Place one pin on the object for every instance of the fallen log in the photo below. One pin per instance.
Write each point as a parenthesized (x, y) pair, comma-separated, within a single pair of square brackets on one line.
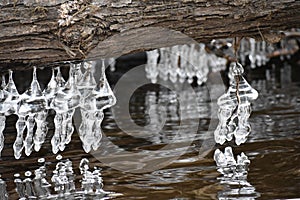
[(35, 32)]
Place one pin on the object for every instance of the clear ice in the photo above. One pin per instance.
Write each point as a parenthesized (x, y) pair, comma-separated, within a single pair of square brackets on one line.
[(2, 114), (30, 104), (64, 103), (234, 175), (91, 180), (36, 186), (182, 62), (100, 98), (229, 166), (235, 108)]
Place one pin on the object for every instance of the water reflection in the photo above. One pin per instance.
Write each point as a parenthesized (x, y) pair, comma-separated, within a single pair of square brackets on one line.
[(273, 148), (36, 186)]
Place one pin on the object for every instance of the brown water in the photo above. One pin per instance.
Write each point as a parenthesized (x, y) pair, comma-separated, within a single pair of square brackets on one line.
[(273, 146)]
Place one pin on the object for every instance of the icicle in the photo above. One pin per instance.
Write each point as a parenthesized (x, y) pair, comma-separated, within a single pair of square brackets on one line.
[(67, 129), (92, 108), (87, 82), (235, 108), (28, 142), (41, 129), (8, 104), (51, 89), (55, 141), (151, 67), (99, 115), (64, 104), (85, 130), (2, 126), (60, 79), (202, 65), (164, 63), (112, 64), (19, 144), (252, 55), (32, 102), (174, 63)]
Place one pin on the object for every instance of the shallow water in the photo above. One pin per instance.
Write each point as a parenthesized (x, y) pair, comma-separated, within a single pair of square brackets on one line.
[(273, 146)]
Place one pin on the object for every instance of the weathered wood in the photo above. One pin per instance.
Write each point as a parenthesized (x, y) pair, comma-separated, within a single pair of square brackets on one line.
[(39, 31)]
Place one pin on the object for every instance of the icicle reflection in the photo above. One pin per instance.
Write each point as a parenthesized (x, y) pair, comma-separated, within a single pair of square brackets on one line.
[(35, 185)]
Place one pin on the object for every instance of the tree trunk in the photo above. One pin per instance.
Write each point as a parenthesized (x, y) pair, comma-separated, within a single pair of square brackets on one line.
[(35, 32)]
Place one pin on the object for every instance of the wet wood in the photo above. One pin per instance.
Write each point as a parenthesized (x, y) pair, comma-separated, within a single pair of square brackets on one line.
[(35, 32)]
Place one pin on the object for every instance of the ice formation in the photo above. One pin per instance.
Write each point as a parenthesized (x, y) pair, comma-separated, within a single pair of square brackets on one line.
[(93, 104), (64, 103), (235, 108), (234, 175), (36, 186), (31, 103), (32, 108), (256, 51), (229, 166), (182, 62)]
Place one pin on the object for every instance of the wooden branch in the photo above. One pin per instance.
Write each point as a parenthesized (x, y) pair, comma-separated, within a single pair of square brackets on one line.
[(35, 32)]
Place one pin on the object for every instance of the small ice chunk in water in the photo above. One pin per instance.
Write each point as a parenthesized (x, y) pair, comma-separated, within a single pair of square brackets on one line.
[(229, 166), (63, 177), (91, 180)]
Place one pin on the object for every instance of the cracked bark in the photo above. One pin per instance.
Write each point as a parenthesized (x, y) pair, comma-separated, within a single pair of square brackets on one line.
[(30, 32)]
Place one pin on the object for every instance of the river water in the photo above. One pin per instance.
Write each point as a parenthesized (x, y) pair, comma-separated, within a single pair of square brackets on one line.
[(175, 170)]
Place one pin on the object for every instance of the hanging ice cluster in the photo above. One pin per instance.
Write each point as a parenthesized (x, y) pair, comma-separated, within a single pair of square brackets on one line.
[(95, 99), (31, 107), (182, 62), (235, 108), (256, 51), (36, 186)]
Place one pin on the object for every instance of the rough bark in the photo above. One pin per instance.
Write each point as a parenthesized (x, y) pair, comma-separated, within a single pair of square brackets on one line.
[(34, 32)]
